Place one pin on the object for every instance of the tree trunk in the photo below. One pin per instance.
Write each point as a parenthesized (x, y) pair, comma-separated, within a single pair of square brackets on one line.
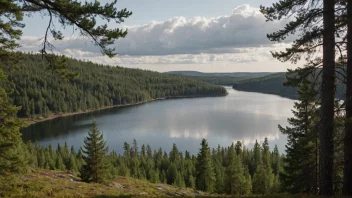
[(347, 172), (327, 100), (316, 162)]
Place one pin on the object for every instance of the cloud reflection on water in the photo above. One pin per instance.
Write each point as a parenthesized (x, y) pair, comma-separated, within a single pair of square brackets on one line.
[(241, 116)]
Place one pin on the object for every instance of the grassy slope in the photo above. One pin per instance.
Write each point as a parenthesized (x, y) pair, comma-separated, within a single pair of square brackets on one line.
[(59, 184), (46, 183)]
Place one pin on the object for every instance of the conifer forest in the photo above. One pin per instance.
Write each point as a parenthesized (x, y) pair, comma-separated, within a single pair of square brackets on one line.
[(125, 64)]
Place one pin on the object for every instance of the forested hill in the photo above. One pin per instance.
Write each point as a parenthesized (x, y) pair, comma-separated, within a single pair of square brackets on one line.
[(273, 84), (219, 78), (270, 84), (41, 93)]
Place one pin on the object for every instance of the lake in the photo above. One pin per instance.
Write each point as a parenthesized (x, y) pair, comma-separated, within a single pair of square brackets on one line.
[(240, 116)]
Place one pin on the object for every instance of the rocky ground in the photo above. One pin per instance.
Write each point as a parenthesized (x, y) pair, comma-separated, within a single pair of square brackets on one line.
[(46, 183)]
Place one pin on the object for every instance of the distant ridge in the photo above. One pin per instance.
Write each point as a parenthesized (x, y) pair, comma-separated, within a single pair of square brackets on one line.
[(228, 78), (261, 82), (233, 74), (273, 84)]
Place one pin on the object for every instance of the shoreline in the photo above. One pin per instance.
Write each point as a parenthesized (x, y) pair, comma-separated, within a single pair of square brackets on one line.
[(32, 121)]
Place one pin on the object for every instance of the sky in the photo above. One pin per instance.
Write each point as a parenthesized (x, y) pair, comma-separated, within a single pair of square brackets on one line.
[(166, 35)]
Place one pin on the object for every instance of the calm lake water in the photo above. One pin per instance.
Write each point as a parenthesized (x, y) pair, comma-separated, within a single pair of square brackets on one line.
[(240, 116)]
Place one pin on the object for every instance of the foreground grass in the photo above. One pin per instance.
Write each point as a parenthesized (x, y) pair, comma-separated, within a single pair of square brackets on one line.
[(62, 184), (46, 183)]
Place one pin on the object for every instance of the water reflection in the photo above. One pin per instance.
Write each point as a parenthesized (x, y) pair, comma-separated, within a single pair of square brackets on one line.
[(222, 120)]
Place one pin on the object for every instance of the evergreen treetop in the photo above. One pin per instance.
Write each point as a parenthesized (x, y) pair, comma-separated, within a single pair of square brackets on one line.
[(94, 152)]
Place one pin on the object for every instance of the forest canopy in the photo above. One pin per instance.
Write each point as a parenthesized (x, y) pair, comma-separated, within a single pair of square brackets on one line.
[(39, 92)]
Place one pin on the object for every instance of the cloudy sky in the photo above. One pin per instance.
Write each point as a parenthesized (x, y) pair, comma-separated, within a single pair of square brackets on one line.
[(166, 35)]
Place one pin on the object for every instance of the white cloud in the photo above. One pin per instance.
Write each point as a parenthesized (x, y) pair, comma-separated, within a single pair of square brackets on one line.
[(236, 38), (245, 27)]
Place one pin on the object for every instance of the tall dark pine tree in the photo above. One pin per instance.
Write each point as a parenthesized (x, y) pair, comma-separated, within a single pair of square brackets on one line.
[(205, 179), (299, 175), (347, 183), (312, 34), (327, 100), (94, 152)]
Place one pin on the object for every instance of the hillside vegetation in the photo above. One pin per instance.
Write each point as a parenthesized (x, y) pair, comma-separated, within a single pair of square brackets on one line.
[(39, 92), (219, 78), (270, 84), (274, 84)]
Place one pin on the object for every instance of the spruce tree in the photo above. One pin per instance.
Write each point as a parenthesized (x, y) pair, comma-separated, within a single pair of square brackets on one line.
[(143, 151), (174, 154), (205, 179), (59, 163), (72, 165), (238, 148), (11, 160), (259, 180), (269, 175), (41, 158), (134, 149), (247, 187), (149, 152), (256, 155), (94, 152), (300, 164), (235, 177), (276, 163)]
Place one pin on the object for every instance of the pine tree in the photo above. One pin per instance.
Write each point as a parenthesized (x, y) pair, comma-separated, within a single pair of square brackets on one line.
[(94, 151), (65, 155), (49, 161), (312, 35), (11, 160), (126, 148), (238, 148), (247, 186), (205, 179), (134, 148), (143, 151), (276, 164), (72, 165), (59, 163), (32, 161), (327, 100), (269, 175), (347, 183), (149, 152), (301, 150), (259, 184), (235, 178), (257, 158), (171, 174), (41, 158), (174, 154)]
